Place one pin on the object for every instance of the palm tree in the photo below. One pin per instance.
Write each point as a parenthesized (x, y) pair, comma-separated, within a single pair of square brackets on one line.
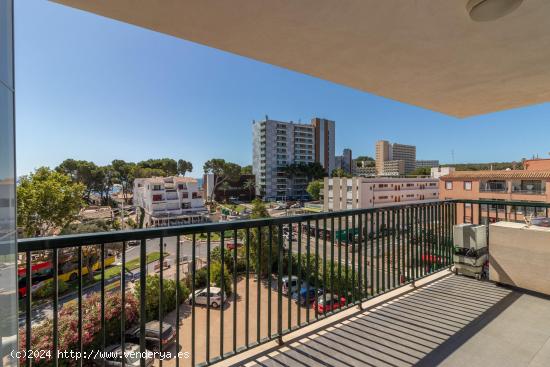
[(249, 185), (225, 186)]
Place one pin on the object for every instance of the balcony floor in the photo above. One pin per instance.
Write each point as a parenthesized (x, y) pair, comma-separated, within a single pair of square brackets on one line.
[(453, 321)]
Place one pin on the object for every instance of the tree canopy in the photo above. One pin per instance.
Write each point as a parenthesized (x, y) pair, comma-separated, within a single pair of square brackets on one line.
[(47, 200), (338, 172), (223, 171), (314, 189)]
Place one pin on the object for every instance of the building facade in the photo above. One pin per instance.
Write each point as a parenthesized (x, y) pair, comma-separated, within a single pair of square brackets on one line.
[(345, 161), (278, 144), (427, 163), (510, 185), (325, 142), (169, 201), (364, 193), (363, 169), (387, 152), (441, 171)]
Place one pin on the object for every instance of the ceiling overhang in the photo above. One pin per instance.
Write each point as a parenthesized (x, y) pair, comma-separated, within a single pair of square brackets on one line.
[(427, 53)]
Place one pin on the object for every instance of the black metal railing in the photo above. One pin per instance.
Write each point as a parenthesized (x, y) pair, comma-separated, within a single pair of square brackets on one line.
[(209, 291)]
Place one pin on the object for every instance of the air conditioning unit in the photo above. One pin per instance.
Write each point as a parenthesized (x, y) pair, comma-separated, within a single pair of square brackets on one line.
[(470, 236)]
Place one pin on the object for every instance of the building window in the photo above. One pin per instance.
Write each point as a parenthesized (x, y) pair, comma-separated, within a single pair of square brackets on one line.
[(157, 197), (449, 185), (185, 195), (468, 185), (180, 187), (350, 188), (156, 187)]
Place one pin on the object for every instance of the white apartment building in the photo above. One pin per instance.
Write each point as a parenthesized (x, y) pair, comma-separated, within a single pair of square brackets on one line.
[(442, 171), (169, 201), (363, 169), (278, 144), (364, 193)]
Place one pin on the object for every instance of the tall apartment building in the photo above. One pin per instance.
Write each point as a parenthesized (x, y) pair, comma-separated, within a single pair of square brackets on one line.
[(277, 144), (169, 201), (325, 140), (386, 151), (344, 161), (364, 193)]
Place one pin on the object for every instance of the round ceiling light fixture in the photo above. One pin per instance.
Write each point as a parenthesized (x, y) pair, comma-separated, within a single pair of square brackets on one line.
[(487, 10)]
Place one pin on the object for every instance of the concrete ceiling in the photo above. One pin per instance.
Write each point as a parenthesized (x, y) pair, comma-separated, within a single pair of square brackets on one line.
[(427, 53)]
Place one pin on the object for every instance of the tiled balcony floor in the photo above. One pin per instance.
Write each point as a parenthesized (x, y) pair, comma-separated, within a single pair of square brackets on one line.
[(454, 321)]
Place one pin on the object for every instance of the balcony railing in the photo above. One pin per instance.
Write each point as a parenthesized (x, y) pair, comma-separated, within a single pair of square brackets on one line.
[(328, 262), (540, 191), (501, 190)]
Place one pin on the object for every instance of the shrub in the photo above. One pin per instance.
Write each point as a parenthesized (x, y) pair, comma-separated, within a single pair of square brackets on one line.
[(46, 291), (67, 332), (216, 278), (152, 295)]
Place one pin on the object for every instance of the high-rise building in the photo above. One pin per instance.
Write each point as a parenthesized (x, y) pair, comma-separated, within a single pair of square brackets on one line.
[(345, 161), (386, 151), (325, 135), (278, 144)]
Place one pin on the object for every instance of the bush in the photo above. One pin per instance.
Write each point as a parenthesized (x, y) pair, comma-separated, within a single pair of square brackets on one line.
[(67, 332), (152, 295), (46, 291), (216, 278)]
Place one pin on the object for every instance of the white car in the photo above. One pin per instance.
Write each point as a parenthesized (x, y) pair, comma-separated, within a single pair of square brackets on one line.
[(201, 297), (290, 285)]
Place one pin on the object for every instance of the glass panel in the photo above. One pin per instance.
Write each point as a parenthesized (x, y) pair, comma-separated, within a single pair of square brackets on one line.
[(8, 294), (8, 257), (6, 42)]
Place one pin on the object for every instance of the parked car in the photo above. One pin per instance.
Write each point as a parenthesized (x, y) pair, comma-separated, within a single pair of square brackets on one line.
[(232, 245), (114, 355), (296, 206), (153, 339), (280, 207), (201, 297), (305, 295), (290, 285), (333, 302)]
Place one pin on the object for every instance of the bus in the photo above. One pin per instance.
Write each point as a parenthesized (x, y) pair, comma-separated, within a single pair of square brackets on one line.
[(43, 270)]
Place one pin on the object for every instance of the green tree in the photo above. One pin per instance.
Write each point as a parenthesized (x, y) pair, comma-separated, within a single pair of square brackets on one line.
[(250, 185), (152, 295), (216, 277), (87, 173), (47, 200), (259, 242), (223, 171), (363, 158), (124, 175), (184, 167), (224, 187), (169, 166), (246, 170), (422, 171), (314, 189), (338, 172)]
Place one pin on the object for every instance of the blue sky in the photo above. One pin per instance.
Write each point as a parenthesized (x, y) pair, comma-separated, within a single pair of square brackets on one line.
[(92, 88)]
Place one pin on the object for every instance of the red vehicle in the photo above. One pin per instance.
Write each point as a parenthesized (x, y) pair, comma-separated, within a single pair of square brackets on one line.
[(232, 245), (333, 302), (40, 272)]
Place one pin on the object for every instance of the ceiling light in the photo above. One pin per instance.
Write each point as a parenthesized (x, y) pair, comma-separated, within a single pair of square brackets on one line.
[(487, 10)]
